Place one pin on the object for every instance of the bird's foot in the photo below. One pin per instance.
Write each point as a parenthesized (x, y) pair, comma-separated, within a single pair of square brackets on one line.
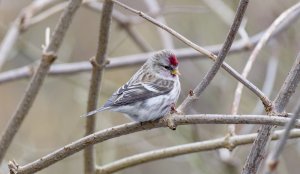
[(174, 111)]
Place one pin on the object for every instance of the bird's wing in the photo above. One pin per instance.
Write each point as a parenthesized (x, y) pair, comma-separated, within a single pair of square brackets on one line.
[(131, 93)]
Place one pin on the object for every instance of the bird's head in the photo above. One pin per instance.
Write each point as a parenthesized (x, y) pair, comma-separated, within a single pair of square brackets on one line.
[(165, 63)]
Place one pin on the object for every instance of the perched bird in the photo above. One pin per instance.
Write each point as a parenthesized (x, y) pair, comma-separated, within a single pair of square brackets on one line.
[(151, 92)]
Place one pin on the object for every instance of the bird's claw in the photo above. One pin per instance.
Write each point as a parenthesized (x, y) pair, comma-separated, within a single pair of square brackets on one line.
[(174, 111)]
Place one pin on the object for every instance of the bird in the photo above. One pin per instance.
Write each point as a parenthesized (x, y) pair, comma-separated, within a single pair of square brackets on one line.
[(151, 92)]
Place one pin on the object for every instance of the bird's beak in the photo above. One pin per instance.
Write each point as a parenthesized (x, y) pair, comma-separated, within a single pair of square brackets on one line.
[(175, 72)]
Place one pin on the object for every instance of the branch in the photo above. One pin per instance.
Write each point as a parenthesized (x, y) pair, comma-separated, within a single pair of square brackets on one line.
[(48, 57), (129, 128), (212, 56), (269, 81), (221, 57), (224, 12), (273, 159), (226, 142), (287, 16), (183, 54), (166, 38), (284, 97), (97, 62), (170, 30), (124, 22), (257, 152), (20, 25)]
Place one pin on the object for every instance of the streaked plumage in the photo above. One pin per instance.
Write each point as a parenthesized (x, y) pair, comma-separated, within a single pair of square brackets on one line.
[(151, 92)]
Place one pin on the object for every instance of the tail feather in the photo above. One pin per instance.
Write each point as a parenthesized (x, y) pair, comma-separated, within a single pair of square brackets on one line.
[(95, 111)]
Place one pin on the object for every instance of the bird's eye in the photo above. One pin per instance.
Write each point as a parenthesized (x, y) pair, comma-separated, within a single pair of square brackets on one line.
[(168, 67)]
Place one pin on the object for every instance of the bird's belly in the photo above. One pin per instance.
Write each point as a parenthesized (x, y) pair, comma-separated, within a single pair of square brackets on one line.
[(152, 108), (147, 110)]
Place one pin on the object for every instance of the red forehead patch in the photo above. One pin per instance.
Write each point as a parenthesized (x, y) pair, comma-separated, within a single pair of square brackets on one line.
[(173, 60)]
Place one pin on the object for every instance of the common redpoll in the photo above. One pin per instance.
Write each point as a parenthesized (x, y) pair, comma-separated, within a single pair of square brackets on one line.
[(152, 91)]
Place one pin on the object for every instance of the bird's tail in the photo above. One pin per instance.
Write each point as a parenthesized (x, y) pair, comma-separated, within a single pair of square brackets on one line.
[(95, 111)]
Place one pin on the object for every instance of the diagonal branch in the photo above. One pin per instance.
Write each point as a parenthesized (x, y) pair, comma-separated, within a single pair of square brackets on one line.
[(129, 128), (231, 71), (226, 142), (285, 17), (98, 65), (257, 152), (221, 57), (273, 158), (48, 57), (165, 38), (223, 11), (126, 23), (20, 25)]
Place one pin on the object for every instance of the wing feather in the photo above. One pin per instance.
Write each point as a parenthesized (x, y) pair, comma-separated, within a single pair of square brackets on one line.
[(134, 92)]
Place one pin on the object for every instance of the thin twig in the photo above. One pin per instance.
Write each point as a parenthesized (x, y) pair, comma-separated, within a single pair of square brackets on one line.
[(257, 152), (47, 13), (97, 62), (226, 142), (268, 85), (166, 38), (212, 56), (125, 23), (184, 53), (129, 128), (221, 57), (284, 17), (116, 62), (273, 158), (48, 57), (220, 8), (19, 25)]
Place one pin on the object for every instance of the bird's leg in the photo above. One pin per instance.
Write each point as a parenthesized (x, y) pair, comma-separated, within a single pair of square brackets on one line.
[(174, 111), (169, 118)]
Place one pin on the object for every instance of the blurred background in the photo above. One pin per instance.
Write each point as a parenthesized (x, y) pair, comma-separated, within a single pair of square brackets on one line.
[(54, 120)]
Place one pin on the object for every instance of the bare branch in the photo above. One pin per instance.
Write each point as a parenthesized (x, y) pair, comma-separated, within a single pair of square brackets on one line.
[(230, 70), (18, 26), (226, 14), (129, 128), (130, 60), (124, 22), (273, 158), (254, 159), (226, 142), (166, 38), (47, 13), (184, 53), (221, 57), (97, 62), (289, 14), (267, 88), (48, 57), (170, 30)]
